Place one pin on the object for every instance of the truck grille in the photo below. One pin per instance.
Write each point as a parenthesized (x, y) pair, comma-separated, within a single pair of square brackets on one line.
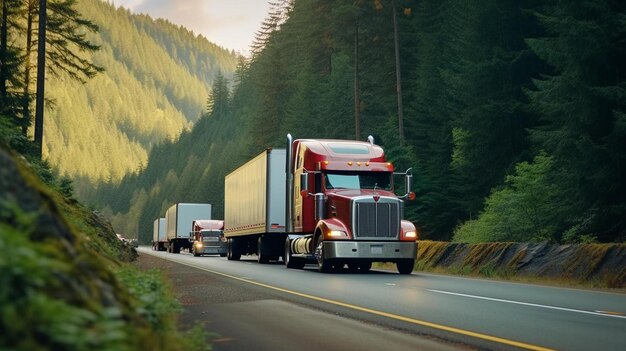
[(376, 220)]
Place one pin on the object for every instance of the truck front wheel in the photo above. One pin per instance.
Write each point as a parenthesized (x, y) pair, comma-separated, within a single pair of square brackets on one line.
[(405, 266), (323, 265)]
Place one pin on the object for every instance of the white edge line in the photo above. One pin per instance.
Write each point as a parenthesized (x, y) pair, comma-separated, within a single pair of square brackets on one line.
[(528, 304)]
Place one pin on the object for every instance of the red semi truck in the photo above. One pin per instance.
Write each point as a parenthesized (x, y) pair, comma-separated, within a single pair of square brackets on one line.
[(329, 202), (208, 237)]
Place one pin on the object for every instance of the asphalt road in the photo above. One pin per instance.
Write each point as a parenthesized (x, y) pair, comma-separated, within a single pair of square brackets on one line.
[(443, 311)]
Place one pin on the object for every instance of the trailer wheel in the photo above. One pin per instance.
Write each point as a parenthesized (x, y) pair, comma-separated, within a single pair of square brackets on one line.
[(405, 266), (262, 256), (233, 252), (291, 262)]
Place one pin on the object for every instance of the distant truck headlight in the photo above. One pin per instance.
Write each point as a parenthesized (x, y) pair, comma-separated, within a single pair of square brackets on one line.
[(199, 244)]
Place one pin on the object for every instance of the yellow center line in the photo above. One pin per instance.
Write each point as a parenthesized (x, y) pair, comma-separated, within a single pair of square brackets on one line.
[(383, 314)]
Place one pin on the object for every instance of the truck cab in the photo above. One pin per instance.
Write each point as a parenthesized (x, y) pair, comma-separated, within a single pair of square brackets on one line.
[(208, 238), (344, 209)]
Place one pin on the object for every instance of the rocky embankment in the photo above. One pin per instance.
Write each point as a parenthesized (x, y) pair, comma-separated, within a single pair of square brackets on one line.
[(597, 265)]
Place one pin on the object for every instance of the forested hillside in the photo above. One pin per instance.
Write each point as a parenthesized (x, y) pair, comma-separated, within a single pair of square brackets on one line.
[(155, 84), (514, 114)]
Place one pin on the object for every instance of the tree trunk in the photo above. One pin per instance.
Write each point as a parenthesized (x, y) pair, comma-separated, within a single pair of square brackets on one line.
[(4, 74), (41, 76), (398, 82), (27, 68), (357, 97)]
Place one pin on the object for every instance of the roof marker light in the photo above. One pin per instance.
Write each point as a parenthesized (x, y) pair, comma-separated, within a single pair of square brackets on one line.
[(349, 163), (358, 163)]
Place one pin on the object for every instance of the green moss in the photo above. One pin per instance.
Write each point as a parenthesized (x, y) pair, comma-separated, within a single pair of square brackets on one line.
[(430, 251), (64, 285), (479, 253), (586, 266), (519, 255)]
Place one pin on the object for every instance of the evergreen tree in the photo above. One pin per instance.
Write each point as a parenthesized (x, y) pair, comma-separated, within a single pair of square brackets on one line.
[(9, 62), (489, 123), (219, 97), (582, 109)]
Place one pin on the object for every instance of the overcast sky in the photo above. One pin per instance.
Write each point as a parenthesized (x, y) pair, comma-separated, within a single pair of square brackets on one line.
[(227, 23)]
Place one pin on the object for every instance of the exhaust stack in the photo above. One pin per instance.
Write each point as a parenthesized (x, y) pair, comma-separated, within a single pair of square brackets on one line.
[(289, 185)]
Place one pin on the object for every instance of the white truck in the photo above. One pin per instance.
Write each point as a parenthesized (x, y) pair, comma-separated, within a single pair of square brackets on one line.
[(159, 234), (254, 207), (179, 219)]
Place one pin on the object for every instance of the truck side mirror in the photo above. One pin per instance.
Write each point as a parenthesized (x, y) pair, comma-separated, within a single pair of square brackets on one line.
[(408, 184)]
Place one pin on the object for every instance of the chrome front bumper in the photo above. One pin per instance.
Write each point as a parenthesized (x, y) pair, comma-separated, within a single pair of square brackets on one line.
[(374, 250), (215, 248)]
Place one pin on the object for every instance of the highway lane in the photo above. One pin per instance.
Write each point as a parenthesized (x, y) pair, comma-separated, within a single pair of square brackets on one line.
[(489, 314)]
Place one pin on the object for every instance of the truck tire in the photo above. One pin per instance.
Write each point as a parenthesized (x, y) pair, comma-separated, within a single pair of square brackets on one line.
[(233, 253), (261, 252), (175, 248), (292, 262), (405, 266), (323, 265)]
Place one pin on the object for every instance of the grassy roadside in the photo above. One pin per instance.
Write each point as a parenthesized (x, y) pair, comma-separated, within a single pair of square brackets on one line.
[(67, 281)]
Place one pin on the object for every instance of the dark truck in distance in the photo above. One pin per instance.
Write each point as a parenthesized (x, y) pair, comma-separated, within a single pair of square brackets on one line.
[(329, 202), (208, 237)]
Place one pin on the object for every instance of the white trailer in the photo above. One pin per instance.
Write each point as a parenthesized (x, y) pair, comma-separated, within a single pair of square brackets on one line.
[(159, 234), (254, 207), (179, 219)]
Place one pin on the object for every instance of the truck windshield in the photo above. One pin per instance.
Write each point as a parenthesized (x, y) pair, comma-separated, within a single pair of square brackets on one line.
[(360, 180)]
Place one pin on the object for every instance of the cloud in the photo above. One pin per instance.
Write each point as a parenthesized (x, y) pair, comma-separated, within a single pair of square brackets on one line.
[(228, 23)]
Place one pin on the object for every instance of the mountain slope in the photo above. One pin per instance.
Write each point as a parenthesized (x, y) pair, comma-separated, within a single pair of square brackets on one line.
[(155, 85)]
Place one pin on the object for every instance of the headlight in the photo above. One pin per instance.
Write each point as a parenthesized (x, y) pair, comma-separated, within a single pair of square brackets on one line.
[(411, 235), (199, 244), (336, 233)]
